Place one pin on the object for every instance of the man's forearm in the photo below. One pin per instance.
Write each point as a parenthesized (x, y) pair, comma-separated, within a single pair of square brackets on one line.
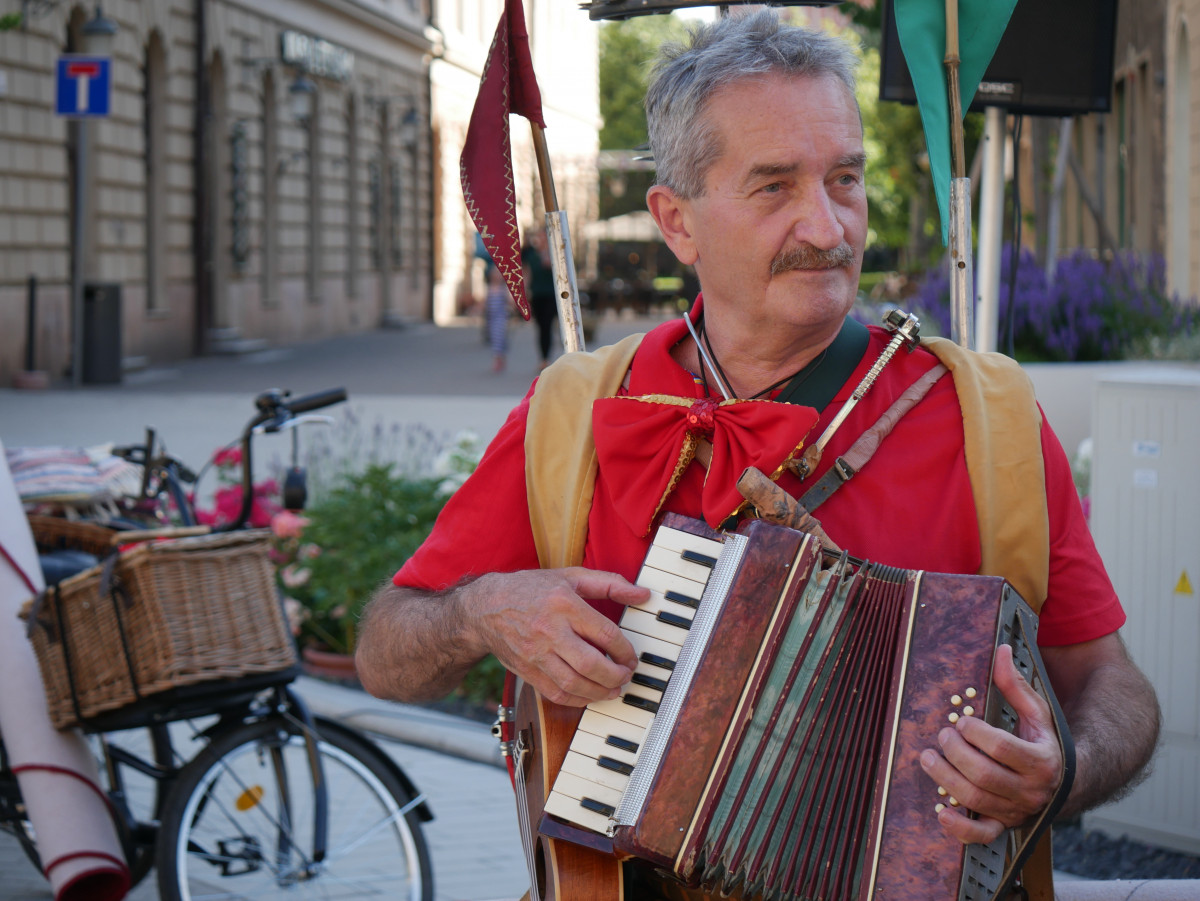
[(412, 646), (1115, 724)]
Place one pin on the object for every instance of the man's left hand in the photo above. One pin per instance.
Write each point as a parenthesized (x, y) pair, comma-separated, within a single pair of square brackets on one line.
[(1004, 778)]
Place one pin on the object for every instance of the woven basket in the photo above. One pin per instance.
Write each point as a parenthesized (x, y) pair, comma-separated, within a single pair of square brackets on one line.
[(55, 533), (159, 616)]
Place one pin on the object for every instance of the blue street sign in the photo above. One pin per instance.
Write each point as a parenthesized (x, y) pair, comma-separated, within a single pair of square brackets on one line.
[(83, 87)]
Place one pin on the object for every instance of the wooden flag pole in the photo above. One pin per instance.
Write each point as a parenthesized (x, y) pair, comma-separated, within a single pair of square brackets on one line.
[(962, 284), (562, 261)]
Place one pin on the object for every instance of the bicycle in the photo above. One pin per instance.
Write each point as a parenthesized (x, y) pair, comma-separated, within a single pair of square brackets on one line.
[(248, 813)]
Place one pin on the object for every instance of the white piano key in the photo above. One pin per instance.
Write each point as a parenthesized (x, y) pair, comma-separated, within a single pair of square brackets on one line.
[(569, 809), (596, 746), (658, 602), (618, 709), (642, 691), (578, 787), (602, 726), (590, 769), (666, 560), (645, 644), (679, 541), (636, 620)]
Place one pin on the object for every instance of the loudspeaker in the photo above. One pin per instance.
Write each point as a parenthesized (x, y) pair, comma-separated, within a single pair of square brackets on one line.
[(1055, 59)]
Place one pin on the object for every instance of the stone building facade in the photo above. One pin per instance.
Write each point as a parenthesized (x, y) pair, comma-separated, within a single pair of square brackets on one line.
[(263, 177)]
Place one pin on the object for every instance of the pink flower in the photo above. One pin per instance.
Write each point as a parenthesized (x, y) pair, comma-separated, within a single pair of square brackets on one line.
[(286, 524), (293, 575), (228, 456)]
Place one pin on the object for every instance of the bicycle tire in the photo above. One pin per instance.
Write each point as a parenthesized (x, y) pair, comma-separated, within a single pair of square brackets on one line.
[(224, 831)]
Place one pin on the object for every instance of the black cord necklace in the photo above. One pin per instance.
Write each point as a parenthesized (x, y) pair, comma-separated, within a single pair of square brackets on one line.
[(812, 366)]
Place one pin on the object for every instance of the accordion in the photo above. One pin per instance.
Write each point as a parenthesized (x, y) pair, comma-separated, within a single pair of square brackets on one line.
[(768, 743)]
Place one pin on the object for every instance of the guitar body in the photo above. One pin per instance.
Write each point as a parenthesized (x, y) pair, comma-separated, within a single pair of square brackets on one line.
[(564, 870)]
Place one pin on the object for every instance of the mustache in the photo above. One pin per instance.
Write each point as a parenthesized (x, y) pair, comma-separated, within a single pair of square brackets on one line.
[(805, 256)]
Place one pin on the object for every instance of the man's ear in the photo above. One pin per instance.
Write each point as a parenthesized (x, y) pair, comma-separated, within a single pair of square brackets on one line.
[(667, 210)]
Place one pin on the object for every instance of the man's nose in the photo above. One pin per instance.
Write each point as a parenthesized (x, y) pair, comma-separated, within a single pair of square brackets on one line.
[(817, 222)]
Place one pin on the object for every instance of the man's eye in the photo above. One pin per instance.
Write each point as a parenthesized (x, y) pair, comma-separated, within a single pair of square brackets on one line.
[(773, 188)]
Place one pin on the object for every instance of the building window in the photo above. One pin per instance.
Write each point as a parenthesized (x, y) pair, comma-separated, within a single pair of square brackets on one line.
[(154, 101), (352, 231), (1179, 189), (271, 174)]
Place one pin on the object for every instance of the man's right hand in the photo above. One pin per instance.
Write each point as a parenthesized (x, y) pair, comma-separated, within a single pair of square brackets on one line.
[(417, 645), (539, 625)]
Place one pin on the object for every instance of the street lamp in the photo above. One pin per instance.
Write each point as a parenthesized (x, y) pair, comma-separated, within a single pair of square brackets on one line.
[(99, 34), (300, 95)]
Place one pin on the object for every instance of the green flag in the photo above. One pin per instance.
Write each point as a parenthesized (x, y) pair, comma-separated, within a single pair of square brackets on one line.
[(921, 26)]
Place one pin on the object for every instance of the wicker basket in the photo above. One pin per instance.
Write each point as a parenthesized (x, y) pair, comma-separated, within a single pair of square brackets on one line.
[(159, 616), (56, 533)]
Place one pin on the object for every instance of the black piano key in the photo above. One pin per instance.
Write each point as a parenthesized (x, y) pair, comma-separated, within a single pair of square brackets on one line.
[(655, 660), (674, 619), (615, 765), (623, 743), (639, 701), (649, 682), (597, 807), (680, 598), (699, 558)]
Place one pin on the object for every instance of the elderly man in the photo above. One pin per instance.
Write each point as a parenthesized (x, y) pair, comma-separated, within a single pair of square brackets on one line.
[(758, 143)]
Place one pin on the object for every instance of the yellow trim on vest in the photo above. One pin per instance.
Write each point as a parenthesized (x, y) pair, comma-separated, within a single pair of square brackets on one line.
[(560, 456), (1002, 432)]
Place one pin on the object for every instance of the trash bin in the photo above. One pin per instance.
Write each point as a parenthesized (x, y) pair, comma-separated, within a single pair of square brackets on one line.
[(101, 333)]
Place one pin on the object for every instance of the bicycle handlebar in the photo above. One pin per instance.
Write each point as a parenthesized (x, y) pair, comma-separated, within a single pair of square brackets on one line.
[(275, 410), (317, 400)]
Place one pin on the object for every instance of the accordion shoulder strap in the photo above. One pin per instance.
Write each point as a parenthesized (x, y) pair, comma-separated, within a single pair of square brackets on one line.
[(560, 455), (1002, 428)]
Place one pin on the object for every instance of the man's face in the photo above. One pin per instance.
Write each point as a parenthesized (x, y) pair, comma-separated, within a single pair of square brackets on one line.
[(778, 235)]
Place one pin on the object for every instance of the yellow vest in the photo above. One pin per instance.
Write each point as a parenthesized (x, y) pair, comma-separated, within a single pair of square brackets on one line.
[(1001, 427)]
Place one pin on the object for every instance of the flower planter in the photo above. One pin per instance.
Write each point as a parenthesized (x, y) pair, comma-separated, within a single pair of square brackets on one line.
[(328, 664)]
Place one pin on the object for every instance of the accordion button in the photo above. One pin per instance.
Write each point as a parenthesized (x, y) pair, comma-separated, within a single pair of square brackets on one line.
[(954, 802), (942, 791), (968, 711), (970, 692), (956, 700), (939, 808), (953, 717)]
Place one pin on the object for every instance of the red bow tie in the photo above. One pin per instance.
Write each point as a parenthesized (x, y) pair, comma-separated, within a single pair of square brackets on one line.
[(644, 444)]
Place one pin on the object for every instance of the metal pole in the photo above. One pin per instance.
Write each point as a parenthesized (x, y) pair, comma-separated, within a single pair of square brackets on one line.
[(31, 326), (991, 229), (962, 300), (561, 260), (77, 243)]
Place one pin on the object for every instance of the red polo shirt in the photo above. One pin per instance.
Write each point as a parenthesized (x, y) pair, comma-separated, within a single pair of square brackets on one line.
[(911, 506)]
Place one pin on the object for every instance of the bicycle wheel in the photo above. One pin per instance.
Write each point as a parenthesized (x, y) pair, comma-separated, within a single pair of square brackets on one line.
[(239, 823)]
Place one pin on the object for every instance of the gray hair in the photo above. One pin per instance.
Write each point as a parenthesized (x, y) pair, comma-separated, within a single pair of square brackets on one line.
[(686, 76)]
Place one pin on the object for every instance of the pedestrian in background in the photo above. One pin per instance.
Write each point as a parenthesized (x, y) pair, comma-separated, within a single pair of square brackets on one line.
[(496, 310), (539, 283)]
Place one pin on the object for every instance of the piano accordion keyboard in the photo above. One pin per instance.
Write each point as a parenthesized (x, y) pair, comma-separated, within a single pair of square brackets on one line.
[(596, 772)]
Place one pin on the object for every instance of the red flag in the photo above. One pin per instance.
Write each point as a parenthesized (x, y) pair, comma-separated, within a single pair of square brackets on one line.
[(485, 167)]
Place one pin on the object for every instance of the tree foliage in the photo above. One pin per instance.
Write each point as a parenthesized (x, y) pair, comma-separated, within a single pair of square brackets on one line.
[(627, 49)]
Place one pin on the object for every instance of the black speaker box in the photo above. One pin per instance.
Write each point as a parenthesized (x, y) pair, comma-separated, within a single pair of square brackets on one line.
[(1055, 59)]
